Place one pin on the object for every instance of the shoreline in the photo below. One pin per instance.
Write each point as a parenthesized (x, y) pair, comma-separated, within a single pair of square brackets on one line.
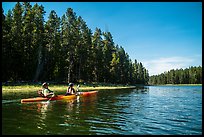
[(58, 88), (177, 85), (62, 88)]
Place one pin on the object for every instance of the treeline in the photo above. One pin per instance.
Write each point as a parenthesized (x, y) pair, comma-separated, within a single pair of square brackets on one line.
[(191, 75), (62, 49)]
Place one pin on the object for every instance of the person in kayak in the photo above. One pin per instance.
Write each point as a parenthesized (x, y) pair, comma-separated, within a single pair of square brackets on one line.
[(70, 90), (45, 91)]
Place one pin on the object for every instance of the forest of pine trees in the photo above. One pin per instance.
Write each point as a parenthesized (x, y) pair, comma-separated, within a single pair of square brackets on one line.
[(62, 49), (191, 75)]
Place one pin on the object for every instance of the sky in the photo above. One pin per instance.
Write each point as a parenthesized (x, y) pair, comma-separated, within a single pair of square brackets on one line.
[(160, 35)]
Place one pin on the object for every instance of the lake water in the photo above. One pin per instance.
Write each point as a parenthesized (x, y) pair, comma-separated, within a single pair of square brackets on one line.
[(150, 110)]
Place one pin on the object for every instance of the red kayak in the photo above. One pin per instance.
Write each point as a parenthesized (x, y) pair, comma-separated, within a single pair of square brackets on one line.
[(59, 97)]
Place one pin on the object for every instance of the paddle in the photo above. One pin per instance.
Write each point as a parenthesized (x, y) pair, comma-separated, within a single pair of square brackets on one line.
[(50, 98), (77, 91)]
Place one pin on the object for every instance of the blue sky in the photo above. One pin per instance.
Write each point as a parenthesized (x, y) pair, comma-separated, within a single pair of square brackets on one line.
[(161, 35)]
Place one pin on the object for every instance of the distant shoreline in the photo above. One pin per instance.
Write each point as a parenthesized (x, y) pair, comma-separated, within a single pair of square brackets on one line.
[(177, 85)]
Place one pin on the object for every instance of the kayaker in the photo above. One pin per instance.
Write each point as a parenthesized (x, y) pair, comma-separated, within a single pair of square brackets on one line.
[(45, 91), (70, 90)]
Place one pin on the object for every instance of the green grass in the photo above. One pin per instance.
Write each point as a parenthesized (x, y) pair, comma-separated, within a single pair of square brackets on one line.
[(58, 88), (63, 88)]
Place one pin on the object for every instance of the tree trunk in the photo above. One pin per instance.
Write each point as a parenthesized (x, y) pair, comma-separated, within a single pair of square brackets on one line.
[(40, 64)]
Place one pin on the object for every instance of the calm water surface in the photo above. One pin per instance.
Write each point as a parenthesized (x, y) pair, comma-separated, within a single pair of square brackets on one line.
[(151, 110)]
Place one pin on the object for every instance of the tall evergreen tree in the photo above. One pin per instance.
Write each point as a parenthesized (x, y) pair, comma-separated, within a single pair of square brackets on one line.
[(52, 36), (114, 70), (39, 58), (107, 54), (17, 42), (96, 57), (64, 36), (83, 48), (27, 35)]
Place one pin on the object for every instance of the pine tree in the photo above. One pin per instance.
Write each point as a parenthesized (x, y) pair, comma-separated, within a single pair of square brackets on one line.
[(39, 59), (96, 57), (17, 42), (52, 34)]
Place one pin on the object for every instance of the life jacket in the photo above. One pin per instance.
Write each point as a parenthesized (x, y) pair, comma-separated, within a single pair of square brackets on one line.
[(40, 93), (70, 90)]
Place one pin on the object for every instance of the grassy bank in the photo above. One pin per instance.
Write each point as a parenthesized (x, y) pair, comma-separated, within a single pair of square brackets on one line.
[(60, 88), (63, 87)]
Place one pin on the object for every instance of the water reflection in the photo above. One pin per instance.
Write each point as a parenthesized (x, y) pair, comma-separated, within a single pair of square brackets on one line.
[(145, 110), (76, 114), (143, 89), (43, 108), (69, 104)]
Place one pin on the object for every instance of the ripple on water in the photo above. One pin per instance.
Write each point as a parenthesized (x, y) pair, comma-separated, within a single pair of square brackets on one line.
[(10, 101), (162, 111)]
